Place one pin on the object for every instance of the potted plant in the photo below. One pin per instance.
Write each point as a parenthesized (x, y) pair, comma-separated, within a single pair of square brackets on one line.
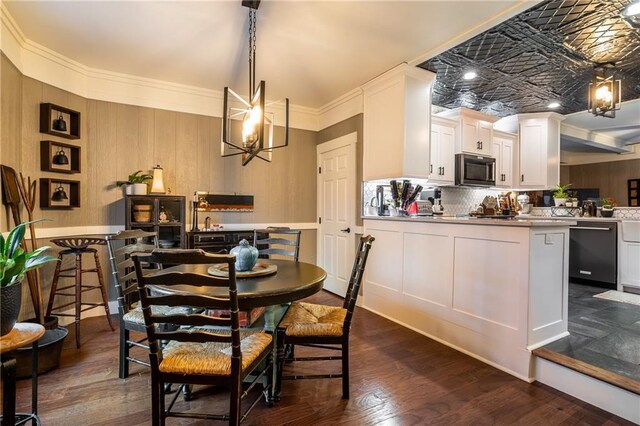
[(15, 262), (135, 184), (560, 195), (608, 204)]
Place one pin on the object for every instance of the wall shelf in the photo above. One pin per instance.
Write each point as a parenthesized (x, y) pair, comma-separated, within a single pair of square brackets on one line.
[(48, 150), (50, 112), (48, 187)]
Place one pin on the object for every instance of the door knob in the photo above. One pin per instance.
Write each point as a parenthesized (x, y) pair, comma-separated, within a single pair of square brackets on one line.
[(346, 230)]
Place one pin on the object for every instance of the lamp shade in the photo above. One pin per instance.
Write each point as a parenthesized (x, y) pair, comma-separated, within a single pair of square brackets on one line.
[(157, 186)]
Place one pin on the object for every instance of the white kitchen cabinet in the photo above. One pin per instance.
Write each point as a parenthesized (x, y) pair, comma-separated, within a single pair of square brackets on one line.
[(443, 138), (503, 150), (397, 115), (539, 150), (476, 131), (629, 254)]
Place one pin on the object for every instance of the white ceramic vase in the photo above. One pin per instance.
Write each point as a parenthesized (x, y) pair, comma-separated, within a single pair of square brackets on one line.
[(136, 189)]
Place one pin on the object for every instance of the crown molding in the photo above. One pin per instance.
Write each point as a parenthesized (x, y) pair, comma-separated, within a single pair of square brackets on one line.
[(45, 65)]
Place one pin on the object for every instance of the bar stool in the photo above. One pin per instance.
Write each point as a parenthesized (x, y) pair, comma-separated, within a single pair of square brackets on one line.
[(77, 246)]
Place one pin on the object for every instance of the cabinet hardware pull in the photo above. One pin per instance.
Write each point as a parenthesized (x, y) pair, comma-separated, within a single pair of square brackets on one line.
[(480, 144), (442, 170), (590, 228), (430, 168), (522, 178)]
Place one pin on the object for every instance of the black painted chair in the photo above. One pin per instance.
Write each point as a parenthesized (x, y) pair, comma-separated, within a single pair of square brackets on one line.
[(121, 246), (322, 326), (213, 351), (277, 243)]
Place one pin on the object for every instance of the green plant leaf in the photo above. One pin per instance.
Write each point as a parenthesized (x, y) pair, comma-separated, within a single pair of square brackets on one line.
[(14, 239), (1, 243), (36, 262)]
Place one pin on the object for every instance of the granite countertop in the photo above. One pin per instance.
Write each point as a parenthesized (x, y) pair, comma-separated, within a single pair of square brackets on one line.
[(594, 219), (529, 222)]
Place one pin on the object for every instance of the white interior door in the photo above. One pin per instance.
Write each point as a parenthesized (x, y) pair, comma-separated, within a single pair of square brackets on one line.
[(336, 211)]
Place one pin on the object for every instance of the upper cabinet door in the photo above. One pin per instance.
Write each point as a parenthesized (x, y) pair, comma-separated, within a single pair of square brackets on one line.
[(434, 166), (533, 155), (506, 158), (447, 154), (470, 137), (485, 134), (397, 117), (474, 131)]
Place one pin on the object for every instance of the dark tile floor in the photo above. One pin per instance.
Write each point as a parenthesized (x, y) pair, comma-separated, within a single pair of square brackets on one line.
[(604, 333)]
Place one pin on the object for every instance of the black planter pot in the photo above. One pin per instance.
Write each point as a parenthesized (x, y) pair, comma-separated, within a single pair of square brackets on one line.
[(606, 213), (49, 351), (10, 301)]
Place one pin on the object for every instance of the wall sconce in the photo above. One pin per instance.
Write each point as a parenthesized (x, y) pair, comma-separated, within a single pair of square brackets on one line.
[(605, 92), (157, 187)]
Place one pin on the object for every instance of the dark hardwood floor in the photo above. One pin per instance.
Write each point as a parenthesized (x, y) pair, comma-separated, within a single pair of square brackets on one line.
[(398, 377)]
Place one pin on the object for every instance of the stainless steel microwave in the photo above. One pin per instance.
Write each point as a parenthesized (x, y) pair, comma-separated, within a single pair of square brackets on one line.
[(474, 170)]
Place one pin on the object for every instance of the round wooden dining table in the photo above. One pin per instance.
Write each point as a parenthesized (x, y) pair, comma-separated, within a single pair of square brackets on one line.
[(292, 281)]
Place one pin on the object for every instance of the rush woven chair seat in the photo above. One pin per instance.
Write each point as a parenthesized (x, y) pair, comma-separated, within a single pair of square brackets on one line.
[(282, 241), (76, 247), (206, 350), (322, 326)]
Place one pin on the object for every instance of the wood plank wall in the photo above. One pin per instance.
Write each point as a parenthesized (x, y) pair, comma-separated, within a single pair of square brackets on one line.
[(117, 139), (611, 177)]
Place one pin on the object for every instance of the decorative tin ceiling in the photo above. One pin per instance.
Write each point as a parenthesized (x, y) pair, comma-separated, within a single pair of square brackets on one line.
[(544, 54)]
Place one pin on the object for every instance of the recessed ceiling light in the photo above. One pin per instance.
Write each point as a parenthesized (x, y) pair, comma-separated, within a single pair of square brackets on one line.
[(553, 105), (470, 75), (633, 9)]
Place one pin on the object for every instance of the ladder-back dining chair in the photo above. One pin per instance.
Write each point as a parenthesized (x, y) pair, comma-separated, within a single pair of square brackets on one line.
[(322, 326), (121, 246), (279, 241), (206, 350)]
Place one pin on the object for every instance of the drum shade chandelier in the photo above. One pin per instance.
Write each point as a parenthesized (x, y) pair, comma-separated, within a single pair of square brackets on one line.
[(605, 92), (256, 138)]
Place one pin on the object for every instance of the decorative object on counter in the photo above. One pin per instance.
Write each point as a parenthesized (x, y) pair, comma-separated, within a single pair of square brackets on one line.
[(560, 195), (15, 262), (59, 194), (157, 187), (135, 183), (633, 187), (260, 269), (257, 123), (524, 204), (589, 209), (142, 213), (246, 256), (608, 205), (58, 157), (52, 121)]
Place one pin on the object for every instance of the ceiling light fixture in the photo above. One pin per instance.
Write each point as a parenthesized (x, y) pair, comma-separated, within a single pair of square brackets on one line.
[(469, 75), (255, 136), (605, 92), (633, 9), (554, 105)]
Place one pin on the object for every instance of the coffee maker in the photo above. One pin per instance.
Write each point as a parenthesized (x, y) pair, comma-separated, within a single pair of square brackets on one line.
[(433, 199)]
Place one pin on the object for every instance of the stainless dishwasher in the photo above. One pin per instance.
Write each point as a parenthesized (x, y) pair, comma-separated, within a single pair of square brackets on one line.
[(593, 253)]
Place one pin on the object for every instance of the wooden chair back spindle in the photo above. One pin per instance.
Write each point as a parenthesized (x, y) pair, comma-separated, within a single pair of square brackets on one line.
[(277, 243), (355, 280)]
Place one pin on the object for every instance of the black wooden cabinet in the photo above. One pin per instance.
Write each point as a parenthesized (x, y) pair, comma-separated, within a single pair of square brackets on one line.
[(163, 214)]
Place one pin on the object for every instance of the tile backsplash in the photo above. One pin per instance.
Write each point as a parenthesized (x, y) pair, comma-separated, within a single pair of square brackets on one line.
[(455, 199), (631, 213)]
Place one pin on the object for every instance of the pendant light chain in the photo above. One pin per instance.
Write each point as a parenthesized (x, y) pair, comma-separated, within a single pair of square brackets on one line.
[(252, 52)]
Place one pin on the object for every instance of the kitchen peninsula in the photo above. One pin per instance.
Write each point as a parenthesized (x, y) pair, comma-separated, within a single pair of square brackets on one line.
[(494, 289)]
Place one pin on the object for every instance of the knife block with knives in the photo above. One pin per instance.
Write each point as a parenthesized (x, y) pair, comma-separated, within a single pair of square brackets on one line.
[(403, 195)]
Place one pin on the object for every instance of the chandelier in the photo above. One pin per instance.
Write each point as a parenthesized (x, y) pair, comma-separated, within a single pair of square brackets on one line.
[(605, 92), (248, 125)]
